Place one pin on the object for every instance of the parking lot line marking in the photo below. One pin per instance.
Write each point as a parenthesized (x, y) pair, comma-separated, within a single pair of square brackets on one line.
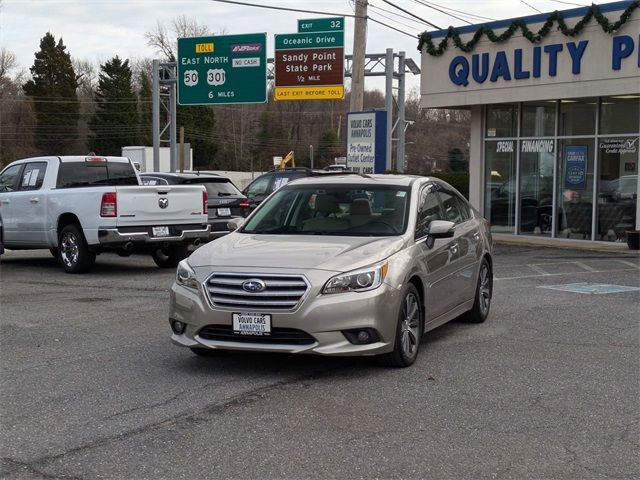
[(538, 269), (631, 264), (565, 273), (591, 288), (585, 266)]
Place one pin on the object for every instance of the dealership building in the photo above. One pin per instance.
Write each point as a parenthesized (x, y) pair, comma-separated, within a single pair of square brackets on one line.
[(555, 118)]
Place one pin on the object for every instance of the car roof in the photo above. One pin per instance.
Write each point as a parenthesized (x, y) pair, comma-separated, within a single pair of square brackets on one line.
[(82, 158), (184, 175), (353, 178)]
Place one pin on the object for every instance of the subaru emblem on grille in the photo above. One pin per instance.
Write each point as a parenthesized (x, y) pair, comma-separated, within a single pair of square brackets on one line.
[(253, 285), (163, 202)]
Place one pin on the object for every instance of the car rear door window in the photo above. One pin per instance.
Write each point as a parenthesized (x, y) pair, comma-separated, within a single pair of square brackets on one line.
[(33, 176), (454, 209)]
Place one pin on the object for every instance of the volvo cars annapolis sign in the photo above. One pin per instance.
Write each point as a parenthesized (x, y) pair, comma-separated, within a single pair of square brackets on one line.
[(591, 63)]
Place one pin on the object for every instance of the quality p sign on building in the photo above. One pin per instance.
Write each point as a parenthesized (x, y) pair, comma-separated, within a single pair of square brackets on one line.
[(222, 69), (309, 65)]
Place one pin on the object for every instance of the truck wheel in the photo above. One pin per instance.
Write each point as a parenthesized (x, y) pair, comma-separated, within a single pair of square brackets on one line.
[(75, 256), (54, 252), (169, 257)]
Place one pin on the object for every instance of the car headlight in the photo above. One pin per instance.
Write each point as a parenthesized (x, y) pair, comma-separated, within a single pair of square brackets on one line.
[(360, 280), (185, 276)]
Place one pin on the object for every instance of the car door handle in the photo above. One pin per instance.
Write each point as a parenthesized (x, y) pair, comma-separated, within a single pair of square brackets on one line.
[(5, 202), (453, 248), (476, 236), (34, 200)]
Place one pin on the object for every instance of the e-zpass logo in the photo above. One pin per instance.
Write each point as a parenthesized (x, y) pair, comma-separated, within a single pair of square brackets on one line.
[(246, 48)]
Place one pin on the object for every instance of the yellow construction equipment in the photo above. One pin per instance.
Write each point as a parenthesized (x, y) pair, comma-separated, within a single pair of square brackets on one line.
[(290, 157)]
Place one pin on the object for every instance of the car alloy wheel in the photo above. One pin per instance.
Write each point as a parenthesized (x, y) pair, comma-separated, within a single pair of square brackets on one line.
[(69, 250), (484, 290), (410, 327)]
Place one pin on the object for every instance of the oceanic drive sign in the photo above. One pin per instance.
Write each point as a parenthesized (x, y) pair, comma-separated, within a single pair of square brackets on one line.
[(222, 69), (309, 65)]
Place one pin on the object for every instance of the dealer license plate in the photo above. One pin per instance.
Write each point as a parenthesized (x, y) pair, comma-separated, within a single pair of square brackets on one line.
[(224, 212), (160, 231), (252, 323)]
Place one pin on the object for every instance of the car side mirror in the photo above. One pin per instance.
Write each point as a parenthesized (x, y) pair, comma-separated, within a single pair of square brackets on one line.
[(441, 229), (234, 224)]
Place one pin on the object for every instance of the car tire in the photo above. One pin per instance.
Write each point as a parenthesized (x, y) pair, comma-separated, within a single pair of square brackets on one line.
[(409, 329), (208, 352), (169, 257), (55, 253), (484, 292), (74, 254)]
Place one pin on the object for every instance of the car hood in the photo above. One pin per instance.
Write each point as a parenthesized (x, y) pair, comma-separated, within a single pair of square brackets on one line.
[(302, 252)]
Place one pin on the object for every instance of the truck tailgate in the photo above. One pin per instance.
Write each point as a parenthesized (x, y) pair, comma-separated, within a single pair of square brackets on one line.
[(160, 205)]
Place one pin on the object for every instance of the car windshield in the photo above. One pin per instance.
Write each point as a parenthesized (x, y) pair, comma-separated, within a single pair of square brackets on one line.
[(344, 210)]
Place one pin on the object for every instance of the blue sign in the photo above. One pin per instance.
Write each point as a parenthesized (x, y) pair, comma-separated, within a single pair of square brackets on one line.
[(367, 141), (575, 166)]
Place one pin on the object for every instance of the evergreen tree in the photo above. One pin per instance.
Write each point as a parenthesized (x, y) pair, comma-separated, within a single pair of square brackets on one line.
[(145, 110), (272, 140), (198, 123), (457, 161), (329, 147), (53, 89), (115, 123)]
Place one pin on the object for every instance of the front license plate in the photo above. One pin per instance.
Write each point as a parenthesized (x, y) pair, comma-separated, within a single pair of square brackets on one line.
[(252, 323), (224, 212), (160, 231)]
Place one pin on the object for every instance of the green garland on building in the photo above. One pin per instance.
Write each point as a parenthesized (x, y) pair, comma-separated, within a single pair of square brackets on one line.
[(555, 17)]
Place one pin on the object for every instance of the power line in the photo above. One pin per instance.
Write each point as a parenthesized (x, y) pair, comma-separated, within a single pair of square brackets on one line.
[(464, 14), (441, 11), (570, 3), (271, 7), (396, 14), (409, 13), (394, 20), (392, 28)]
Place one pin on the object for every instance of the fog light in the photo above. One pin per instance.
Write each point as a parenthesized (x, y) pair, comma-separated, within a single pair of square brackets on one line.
[(178, 327), (361, 336)]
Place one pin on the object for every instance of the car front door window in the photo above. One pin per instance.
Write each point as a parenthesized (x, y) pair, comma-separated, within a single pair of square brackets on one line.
[(9, 179)]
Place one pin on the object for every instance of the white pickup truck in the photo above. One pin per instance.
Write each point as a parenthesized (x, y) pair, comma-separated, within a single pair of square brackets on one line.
[(79, 207)]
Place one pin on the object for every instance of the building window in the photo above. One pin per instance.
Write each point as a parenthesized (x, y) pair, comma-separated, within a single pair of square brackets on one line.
[(538, 119), (502, 121), (500, 185), (620, 114), (536, 186), (617, 186), (575, 188), (578, 117)]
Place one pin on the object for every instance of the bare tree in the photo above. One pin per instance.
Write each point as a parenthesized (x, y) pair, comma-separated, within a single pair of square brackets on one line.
[(164, 39)]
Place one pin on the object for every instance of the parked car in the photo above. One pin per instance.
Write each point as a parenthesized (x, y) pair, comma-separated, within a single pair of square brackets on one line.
[(269, 182), (225, 201), (1, 240), (338, 265), (79, 207)]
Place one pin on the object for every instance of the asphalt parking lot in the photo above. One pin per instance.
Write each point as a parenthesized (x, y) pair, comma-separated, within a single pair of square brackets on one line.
[(548, 387)]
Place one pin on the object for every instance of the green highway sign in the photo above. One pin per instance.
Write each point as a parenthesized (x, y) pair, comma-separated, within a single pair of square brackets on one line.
[(309, 40), (321, 24), (222, 69)]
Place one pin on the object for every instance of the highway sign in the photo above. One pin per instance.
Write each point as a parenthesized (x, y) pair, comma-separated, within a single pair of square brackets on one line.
[(222, 69), (321, 24), (309, 66)]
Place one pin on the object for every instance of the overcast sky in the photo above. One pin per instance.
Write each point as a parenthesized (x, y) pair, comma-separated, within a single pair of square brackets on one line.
[(97, 30)]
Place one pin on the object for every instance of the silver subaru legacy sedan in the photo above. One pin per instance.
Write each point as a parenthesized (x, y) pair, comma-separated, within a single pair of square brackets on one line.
[(338, 265)]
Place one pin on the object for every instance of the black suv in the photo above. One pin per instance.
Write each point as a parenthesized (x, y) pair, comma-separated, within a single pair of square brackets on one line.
[(225, 201), (266, 184)]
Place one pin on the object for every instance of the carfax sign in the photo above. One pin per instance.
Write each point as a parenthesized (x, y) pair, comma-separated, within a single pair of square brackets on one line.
[(222, 69), (367, 142), (575, 164)]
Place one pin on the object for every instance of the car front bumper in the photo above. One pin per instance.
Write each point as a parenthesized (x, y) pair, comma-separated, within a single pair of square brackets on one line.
[(324, 317)]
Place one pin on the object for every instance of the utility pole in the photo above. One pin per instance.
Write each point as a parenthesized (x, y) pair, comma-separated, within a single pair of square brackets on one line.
[(359, 50)]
